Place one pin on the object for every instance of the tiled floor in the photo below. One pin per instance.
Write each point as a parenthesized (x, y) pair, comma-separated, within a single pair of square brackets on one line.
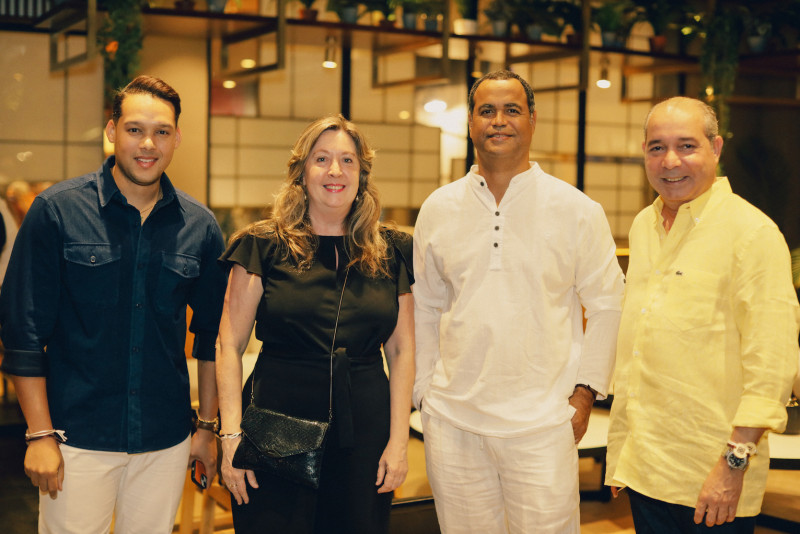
[(18, 499)]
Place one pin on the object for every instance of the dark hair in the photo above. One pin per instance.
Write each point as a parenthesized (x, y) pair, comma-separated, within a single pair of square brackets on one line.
[(501, 75), (147, 85)]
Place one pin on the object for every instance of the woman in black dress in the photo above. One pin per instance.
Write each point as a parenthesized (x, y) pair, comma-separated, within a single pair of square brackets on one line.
[(286, 277)]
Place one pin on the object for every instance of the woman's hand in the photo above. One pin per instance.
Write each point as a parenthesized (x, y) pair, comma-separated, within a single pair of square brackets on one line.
[(392, 467), (235, 478)]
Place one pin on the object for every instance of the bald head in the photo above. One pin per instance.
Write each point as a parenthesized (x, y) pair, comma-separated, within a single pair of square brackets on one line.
[(710, 124)]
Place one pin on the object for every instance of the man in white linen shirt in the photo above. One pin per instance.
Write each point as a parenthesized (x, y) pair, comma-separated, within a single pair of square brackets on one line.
[(504, 258)]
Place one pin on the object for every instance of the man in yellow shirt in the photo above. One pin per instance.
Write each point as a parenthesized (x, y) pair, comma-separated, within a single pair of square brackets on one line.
[(707, 346)]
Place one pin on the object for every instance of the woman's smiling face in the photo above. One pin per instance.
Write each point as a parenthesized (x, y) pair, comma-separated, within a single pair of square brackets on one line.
[(331, 175)]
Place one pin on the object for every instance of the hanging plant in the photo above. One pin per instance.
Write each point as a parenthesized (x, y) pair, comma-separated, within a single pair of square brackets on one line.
[(120, 40), (722, 33)]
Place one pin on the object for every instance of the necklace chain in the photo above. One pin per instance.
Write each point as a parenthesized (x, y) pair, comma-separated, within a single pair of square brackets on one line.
[(143, 213)]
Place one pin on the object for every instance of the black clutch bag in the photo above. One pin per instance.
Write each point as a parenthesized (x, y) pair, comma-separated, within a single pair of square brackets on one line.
[(286, 446), (283, 445)]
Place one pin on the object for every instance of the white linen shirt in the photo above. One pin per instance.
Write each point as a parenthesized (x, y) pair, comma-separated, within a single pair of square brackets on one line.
[(498, 292)]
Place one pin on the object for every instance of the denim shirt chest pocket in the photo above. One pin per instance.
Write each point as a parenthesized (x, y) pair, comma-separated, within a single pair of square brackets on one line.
[(175, 278), (92, 272)]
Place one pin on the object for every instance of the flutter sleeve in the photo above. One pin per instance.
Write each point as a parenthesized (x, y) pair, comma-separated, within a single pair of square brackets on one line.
[(252, 252), (401, 249)]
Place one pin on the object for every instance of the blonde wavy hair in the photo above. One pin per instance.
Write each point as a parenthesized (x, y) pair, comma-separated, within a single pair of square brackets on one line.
[(290, 223)]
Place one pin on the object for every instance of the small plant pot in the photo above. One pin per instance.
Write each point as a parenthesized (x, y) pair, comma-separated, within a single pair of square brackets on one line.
[(611, 40), (217, 6), (308, 14), (499, 28), (658, 44), (534, 32), (409, 21), (349, 14), (575, 38), (431, 24), (757, 43)]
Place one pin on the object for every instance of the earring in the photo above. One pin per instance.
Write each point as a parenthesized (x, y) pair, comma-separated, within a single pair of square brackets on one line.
[(358, 197)]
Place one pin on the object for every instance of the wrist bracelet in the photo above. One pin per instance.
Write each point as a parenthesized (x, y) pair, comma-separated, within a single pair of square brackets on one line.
[(211, 426), (59, 435), (743, 450), (230, 436)]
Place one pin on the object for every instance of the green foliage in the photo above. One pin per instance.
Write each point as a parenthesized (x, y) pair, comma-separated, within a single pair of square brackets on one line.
[(120, 40), (386, 7), (499, 10), (431, 8), (545, 13), (617, 16), (468, 9), (659, 13)]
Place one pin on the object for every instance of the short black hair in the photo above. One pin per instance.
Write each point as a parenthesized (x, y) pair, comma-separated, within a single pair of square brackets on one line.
[(148, 85), (501, 75)]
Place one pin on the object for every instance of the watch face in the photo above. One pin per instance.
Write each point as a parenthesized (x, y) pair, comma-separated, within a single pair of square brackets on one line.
[(734, 462)]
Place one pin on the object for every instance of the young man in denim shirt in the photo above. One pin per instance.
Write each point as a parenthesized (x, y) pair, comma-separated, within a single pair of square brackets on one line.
[(93, 317)]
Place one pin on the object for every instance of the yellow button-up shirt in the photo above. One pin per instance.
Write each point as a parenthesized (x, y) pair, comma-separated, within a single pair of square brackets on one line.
[(708, 341)]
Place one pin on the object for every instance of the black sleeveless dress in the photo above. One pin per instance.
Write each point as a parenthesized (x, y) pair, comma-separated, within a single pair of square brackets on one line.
[(294, 322)]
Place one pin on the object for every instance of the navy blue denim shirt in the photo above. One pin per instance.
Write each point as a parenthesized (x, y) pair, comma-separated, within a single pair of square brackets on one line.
[(95, 301)]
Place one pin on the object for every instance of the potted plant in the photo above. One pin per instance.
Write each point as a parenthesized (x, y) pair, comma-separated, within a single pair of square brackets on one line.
[(659, 15), (570, 13), (410, 9), (347, 10), (499, 13), (307, 12), (467, 24), (431, 10), (758, 27), (385, 9), (615, 20), (120, 41), (216, 6), (537, 17)]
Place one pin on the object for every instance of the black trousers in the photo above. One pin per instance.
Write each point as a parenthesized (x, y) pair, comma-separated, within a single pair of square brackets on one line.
[(651, 516), (347, 501)]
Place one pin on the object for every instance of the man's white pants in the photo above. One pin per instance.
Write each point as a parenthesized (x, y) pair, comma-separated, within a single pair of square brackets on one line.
[(489, 485), (144, 490)]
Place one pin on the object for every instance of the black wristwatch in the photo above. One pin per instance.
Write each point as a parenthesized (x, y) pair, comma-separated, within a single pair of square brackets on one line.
[(201, 424), (736, 462)]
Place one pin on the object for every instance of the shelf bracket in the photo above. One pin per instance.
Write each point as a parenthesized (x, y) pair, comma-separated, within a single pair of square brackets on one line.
[(61, 20), (379, 52), (276, 26)]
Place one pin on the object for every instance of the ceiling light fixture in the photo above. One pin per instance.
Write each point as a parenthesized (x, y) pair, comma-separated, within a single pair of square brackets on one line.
[(604, 82), (330, 53)]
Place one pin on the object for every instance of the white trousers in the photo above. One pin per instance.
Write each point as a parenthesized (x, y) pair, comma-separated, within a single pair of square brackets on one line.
[(489, 485), (142, 490)]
